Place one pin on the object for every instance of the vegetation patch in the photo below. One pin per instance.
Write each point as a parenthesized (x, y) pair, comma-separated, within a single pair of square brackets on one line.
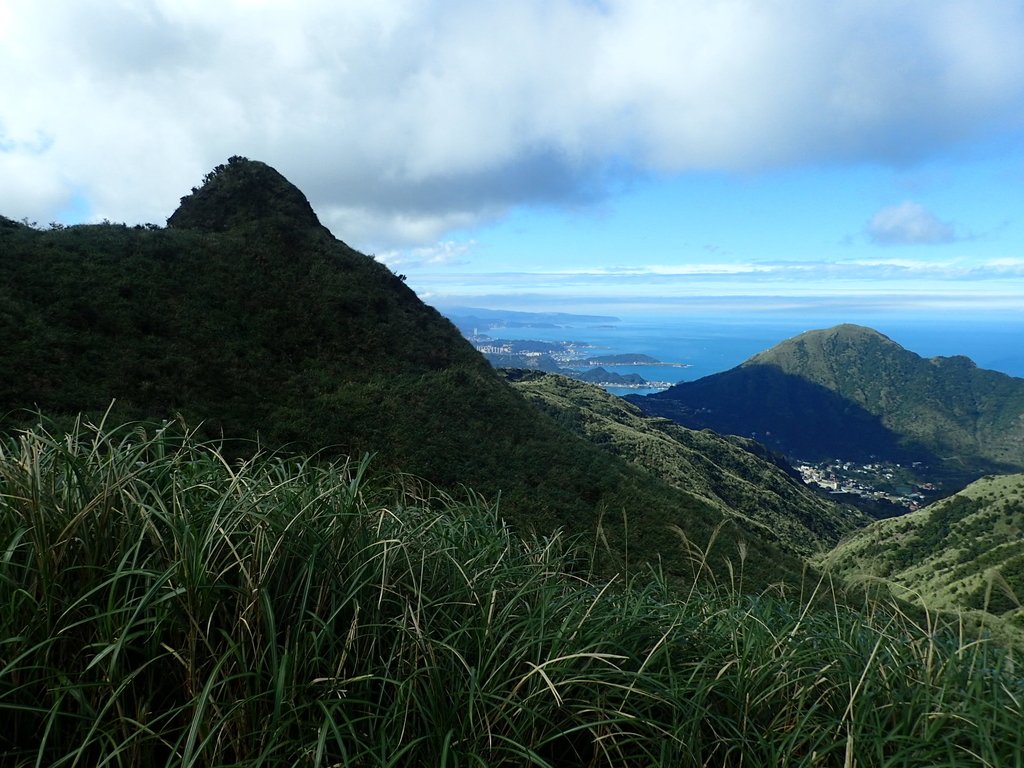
[(738, 477), (165, 604), (965, 552)]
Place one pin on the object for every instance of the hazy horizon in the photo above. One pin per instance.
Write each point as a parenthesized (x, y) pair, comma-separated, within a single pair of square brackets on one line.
[(714, 340)]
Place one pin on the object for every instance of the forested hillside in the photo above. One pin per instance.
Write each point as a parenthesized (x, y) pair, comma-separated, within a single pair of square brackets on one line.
[(965, 552), (735, 475), (247, 318)]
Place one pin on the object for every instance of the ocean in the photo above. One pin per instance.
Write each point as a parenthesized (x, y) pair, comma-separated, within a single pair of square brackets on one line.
[(713, 343)]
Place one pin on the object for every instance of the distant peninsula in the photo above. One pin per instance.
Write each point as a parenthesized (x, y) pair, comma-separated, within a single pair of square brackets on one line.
[(563, 356), (626, 359)]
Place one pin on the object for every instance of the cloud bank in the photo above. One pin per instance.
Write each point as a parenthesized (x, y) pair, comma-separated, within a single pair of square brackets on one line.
[(991, 284), (908, 223), (403, 119)]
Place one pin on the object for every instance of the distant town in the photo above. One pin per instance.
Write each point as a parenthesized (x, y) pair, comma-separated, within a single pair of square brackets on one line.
[(570, 358), (883, 482), (577, 359)]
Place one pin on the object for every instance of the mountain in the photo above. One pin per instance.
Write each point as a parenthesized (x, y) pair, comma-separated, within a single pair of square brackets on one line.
[(733, 475), (247, 317), (964, 552), (851, 392), (244, 313)]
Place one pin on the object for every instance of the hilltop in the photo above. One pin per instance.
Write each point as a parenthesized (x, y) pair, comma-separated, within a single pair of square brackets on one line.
[(247, 317), (852, 392)]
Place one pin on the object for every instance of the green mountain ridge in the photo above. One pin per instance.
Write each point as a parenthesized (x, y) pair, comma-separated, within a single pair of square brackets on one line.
[(601, 376), (732, 474), (852, 392), (247, 316), (947, 404), (965, 552)]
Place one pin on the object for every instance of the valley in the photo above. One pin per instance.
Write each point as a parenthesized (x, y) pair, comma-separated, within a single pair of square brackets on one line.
[(905, 479)]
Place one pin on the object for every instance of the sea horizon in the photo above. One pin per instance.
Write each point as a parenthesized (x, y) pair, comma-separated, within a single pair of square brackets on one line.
[(708, 343)]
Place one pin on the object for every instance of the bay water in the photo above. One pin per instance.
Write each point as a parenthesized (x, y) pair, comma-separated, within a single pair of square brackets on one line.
[(712, 343)]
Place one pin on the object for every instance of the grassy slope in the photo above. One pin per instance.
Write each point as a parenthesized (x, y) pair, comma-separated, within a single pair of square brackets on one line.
[(760, 495), (166, 605), (248, 317), (965, 552)]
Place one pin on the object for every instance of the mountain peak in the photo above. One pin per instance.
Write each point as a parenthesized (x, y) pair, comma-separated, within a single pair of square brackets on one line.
[(826, 344), (845, 331), (241, 192), (854, 333), (850, 391), (849, 329)]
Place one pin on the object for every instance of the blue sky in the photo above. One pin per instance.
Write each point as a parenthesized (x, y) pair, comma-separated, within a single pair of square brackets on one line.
[(558, 154), (944, 233)]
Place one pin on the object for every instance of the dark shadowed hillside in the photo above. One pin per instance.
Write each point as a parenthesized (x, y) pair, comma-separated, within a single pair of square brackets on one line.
[(247, 316)]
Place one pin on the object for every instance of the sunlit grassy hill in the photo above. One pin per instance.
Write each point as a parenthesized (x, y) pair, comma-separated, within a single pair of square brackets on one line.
[(965, 552)]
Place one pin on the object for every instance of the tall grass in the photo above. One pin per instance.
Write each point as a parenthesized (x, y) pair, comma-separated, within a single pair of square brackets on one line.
[(162, 605)]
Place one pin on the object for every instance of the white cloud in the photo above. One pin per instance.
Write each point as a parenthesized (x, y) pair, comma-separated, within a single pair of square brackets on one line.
[(448, 253), (908, 223), (404, 118), (361, 224), (903, 290), (671, 270), (898, 275)]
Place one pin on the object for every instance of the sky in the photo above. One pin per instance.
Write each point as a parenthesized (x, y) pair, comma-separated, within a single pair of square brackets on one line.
[(588, 155)]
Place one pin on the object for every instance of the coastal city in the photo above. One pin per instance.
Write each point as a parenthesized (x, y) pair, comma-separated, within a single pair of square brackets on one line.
[(576, 359)]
